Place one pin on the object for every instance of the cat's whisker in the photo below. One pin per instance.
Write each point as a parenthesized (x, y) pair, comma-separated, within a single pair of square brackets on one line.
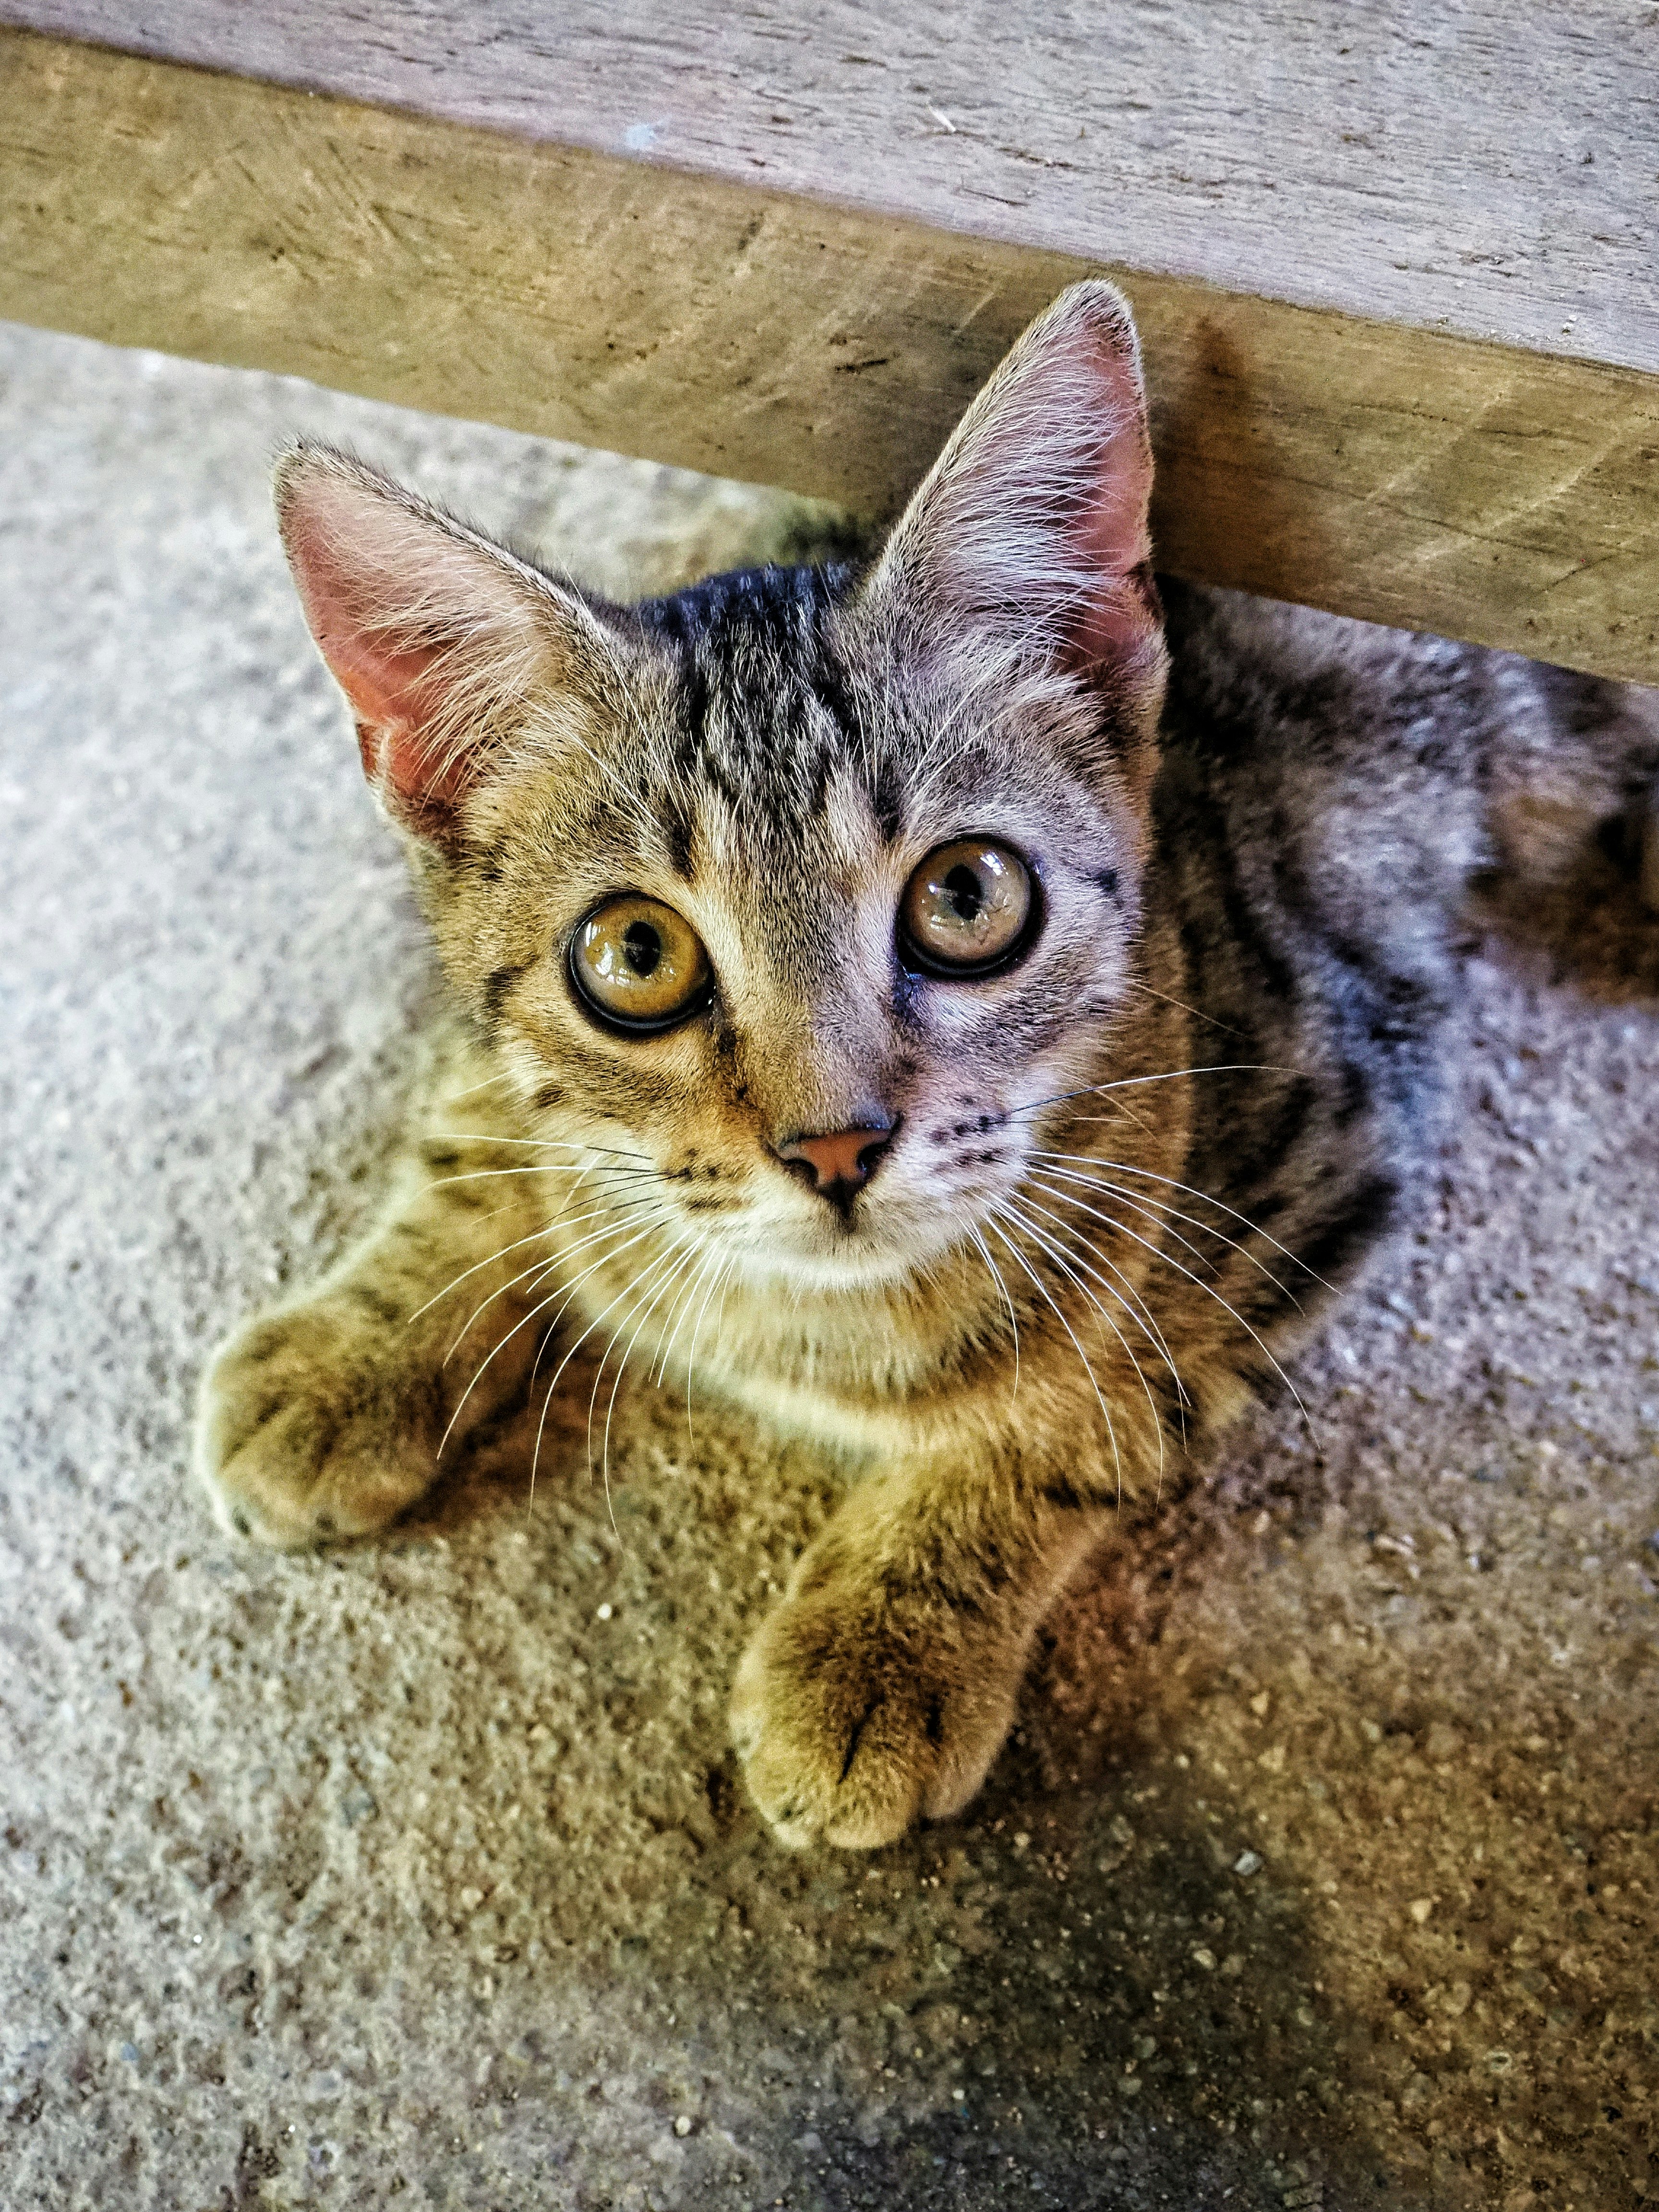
[(490, 1355), (1138, 1082), (1121, 1288), (494, 1260), (1150, 1175), (548, 1270), (682, 1308), (1128, 1295), (682, 1255), (1122, 1111), (602, 1260), (1197, 1012), (1048, 1244), (993, 1222), (674, 1318), (541, 1144), (1169, 1261), (683, 1284), (543, 1264), (675, 1273), (1161, 1215), (553, 1384), (605, 1313), (722, 1280), (977, 1237), (489, 1082), (544, 1167)]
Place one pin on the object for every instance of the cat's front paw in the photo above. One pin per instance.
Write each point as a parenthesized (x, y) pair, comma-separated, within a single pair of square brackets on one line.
[(854, 1715), (311, 1430)]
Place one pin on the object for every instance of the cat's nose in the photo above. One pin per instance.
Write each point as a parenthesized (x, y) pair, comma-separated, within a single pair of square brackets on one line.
[(840, 1161)]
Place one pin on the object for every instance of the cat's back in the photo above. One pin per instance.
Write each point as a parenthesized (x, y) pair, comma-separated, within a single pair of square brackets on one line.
[(1272, 690), (1373, 771), (1317, 815), (1322, 780)]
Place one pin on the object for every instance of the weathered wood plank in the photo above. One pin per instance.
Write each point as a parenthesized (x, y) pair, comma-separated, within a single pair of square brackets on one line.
[(1380, 469), (1486, 168)]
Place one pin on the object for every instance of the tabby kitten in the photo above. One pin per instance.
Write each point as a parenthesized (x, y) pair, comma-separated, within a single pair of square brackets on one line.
[(965, 1011)]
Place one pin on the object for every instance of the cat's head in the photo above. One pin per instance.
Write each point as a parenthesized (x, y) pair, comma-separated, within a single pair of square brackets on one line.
[(792, 895)]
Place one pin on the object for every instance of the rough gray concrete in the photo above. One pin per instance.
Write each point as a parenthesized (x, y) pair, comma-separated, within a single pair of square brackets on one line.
[(1321, 1869)]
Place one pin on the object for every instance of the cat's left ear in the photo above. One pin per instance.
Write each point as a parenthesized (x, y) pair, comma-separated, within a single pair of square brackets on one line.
[(1031, 527), (441, 640)]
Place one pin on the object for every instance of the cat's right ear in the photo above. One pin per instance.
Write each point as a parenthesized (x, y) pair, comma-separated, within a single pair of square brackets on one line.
[(438, 638)]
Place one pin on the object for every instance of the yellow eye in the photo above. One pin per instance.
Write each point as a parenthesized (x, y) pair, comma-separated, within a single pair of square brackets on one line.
[(638, 965), (968, 907)]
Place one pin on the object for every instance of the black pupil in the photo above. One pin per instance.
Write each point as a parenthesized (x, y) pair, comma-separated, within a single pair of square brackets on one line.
[(641, 947), (965, 891)]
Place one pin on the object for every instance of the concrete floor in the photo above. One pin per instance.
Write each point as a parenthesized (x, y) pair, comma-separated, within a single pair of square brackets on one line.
[(1322, 1870)]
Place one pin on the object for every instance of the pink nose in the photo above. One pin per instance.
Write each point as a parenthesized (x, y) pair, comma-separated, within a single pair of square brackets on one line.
[(841, 1160)]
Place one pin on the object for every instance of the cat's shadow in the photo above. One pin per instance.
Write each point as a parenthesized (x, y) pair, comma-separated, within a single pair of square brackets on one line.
[(1077, 1955)]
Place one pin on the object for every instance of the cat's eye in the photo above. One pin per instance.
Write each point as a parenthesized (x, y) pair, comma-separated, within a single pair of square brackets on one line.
[(968, 909), (638, 965)]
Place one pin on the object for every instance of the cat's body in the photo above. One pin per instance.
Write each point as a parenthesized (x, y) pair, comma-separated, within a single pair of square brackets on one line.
[(1090, 1189)]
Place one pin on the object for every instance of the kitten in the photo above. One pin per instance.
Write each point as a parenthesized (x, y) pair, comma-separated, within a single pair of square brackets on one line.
[(966, 1011)]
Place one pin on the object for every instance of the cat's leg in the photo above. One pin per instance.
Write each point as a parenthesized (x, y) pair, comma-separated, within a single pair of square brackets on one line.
[(882, 1687), (324, 1418)]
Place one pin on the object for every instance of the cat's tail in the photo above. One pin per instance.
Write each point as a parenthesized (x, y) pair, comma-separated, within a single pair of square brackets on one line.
[(1578, 762)]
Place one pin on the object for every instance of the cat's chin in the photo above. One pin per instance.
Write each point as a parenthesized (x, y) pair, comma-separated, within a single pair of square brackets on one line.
[(857, 1263)]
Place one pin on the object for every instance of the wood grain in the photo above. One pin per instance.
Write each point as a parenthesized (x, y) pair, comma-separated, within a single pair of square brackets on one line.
[(1486, 168), (1487, 491)]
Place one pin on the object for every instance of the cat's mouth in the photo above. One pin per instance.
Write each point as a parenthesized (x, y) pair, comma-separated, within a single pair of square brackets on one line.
[(866, 1245)]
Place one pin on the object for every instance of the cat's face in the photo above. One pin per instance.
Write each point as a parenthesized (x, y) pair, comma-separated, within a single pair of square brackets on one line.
[(756, 829), (789, 900)]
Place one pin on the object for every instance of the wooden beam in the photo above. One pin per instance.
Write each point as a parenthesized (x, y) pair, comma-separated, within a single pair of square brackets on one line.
[(1483, 169), (1382, 470)]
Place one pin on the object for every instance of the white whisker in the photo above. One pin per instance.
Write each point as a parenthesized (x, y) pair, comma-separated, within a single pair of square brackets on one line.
[(490, 1082), (1148, 1175), (722, 1280), (992, 1220), (545, 1168), (529, 1317), (540, 1144), (547, 1263), (621, 1369), (1169, 1261), (1197, 1012), (1121, 1288), (676, 1320), (1137, 1082), (605, 1311), (1153, 1210), (1048, 1245), (546, 1229), (977, 1235)]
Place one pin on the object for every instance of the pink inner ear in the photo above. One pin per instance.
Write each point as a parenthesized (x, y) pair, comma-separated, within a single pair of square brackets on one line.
[(1118, 624), (394, 701), (393, 697), (396, 756), (1110, 530)]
